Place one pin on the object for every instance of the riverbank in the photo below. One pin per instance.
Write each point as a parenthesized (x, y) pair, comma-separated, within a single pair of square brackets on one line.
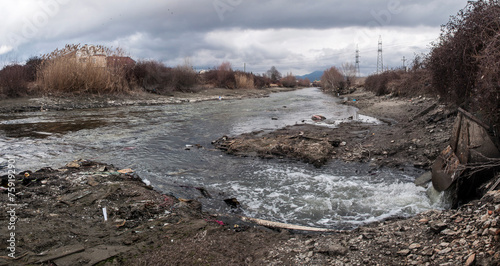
[(411, 132), (71, 102), (60, 217), (89, 213)]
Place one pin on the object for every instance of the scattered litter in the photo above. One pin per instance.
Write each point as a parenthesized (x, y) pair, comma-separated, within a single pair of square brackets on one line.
[(120, 222), (125, 171), (217, 221), (105, 213), (318, 118), (147, 182), (184, 200)]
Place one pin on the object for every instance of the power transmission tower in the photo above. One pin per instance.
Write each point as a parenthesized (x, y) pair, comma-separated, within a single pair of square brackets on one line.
[(357, 62), (380, 59)]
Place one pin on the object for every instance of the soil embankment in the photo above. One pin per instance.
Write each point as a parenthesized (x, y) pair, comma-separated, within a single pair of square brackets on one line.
[(59, 215), (413, 132), (70, 102), (60, 221)]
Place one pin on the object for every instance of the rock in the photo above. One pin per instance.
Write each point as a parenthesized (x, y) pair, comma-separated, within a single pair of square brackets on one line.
[(470, 260), (232, 202), (414, 246), (444, 251), (437, 227), (404, 252), (332, 250)]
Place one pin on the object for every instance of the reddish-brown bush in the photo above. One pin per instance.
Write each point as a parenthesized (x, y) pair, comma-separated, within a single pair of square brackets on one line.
[(289, 81), (464, 62), (332, 79), (13, 81), (304, 82)]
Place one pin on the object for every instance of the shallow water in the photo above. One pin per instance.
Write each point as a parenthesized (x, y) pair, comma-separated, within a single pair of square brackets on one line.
[(152, 140)]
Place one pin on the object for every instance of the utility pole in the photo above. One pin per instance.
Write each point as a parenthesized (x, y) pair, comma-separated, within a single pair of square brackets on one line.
[(245, 67), (380, 59), (357, 62), (404, 61)]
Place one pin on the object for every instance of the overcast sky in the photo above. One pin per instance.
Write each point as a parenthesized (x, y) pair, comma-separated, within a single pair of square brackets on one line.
[(295, 35)]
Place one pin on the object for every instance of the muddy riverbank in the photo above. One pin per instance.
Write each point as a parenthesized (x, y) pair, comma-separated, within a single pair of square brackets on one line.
[(412, 132), (71, 102), (59, 216)]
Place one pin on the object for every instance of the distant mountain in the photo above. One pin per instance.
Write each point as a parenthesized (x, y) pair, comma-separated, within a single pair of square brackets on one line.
[(316, 75)]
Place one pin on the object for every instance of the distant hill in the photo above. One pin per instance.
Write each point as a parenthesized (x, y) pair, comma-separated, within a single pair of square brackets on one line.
[(316, 75)]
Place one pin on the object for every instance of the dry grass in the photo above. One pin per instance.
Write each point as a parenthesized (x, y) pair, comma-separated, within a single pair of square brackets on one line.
[(244, 81), (67, 75)]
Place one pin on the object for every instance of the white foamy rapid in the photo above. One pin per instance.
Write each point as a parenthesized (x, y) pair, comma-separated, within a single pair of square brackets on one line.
[(333, 200)]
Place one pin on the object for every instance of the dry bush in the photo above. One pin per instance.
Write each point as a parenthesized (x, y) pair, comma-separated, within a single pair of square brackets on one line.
[(220, 77), (13, 81), (261, 81), (184, 78), (411, 84), (332, 79), (464, 63), (487, 92), (289, 81), (379, 83), (304, 82), (244, 80), (32, 66)]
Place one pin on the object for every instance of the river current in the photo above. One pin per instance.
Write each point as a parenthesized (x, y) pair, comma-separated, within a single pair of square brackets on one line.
[(161, 144)]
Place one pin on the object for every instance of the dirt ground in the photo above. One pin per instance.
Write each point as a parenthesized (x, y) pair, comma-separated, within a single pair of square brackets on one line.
[(69, 102), (413, 132), (59, 219)]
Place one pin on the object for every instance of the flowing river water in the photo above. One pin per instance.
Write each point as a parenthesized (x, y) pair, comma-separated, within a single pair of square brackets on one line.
[(152, 140)]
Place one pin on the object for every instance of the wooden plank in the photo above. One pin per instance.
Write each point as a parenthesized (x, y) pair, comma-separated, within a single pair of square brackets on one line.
[(473, 118), (284, 226)]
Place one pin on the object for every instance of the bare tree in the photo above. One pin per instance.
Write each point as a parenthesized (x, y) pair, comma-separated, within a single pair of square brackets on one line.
[(274, 74), (349, 71)]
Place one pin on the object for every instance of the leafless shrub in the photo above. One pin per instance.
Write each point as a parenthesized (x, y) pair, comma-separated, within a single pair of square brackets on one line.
[(304, 82), (13, 81), (379, 83), (349, 71), (261, 81), (464, 62), (332, 79), (289, 81)]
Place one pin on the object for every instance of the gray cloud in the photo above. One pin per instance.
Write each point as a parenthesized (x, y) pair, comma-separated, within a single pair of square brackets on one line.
[(259, 33)]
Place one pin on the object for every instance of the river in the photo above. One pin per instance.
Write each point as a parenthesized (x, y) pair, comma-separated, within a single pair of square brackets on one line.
[(161, 144)]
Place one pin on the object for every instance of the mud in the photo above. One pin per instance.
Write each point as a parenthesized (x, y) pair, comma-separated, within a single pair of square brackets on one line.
[(59, 217), (71, 102), (59, 221), (413, 132)]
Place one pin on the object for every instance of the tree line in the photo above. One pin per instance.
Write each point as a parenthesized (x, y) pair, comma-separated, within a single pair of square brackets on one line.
[(63, 72)]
